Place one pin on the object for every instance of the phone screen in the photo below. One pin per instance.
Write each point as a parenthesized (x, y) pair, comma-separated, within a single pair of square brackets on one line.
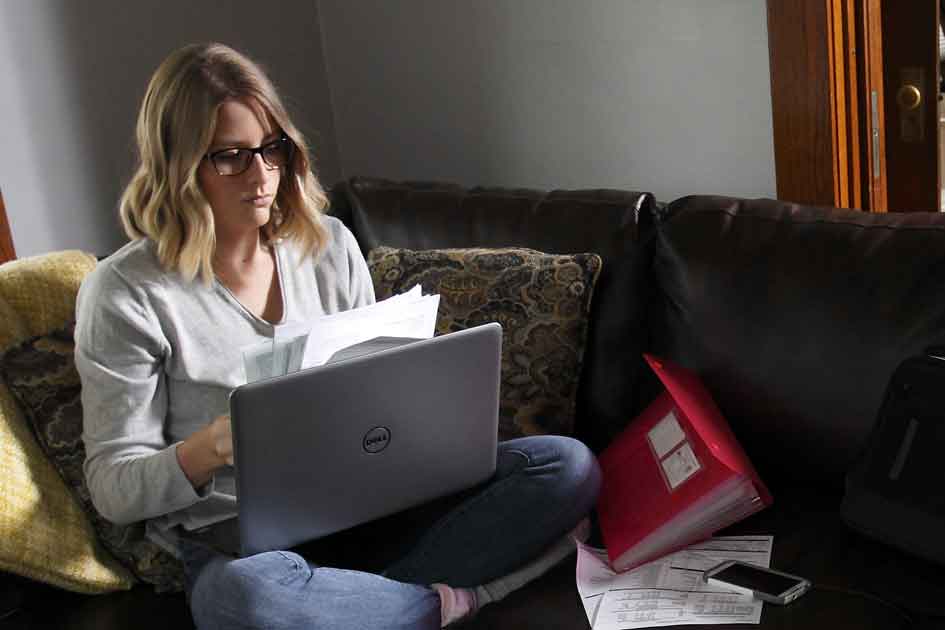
[(755, 579)]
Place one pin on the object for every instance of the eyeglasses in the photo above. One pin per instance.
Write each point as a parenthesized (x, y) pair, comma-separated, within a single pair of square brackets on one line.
[(275, 154)]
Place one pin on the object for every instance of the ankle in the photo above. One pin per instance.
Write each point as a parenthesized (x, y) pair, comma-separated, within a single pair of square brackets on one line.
[(499, 588), (461, 603), (455, 603), (581, 531)]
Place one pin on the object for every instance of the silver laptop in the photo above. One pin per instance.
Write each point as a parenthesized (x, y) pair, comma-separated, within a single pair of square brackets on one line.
[(382, 428)]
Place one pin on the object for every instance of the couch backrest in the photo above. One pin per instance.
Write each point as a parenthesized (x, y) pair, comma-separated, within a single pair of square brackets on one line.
[(419, 215), (795, 317)]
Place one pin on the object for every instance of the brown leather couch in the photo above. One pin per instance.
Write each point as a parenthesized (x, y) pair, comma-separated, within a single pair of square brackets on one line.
[(794, 317)]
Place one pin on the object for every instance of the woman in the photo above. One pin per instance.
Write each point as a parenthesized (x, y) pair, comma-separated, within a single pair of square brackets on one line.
[(229, 243)]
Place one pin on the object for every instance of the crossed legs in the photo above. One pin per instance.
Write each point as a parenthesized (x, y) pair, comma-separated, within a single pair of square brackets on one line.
[(543, 487)]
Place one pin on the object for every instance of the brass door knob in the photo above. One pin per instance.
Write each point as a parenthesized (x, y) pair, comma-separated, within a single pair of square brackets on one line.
[(909, 97)]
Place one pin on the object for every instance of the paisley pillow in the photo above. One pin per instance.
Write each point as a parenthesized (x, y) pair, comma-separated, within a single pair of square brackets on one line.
[(41, 374), (542, 302)]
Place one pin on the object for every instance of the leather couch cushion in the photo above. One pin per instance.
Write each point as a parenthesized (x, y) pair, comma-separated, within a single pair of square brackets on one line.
[(795, 318), (857, 583), (423, 216), (140, 608), (542, 302)]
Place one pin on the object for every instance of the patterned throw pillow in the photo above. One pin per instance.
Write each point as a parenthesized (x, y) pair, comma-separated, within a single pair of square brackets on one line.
[(44, 534), (542, 302), (42, 376)]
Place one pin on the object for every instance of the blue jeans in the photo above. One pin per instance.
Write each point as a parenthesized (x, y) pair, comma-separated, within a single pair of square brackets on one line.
[(543, 486)]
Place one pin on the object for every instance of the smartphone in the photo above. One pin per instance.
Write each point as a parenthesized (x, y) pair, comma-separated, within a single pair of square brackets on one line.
[(765, 584)]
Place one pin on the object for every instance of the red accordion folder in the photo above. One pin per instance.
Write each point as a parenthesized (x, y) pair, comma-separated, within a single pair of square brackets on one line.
[(675, 475)]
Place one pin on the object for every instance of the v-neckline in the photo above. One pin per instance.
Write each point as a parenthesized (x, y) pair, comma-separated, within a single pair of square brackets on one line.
[(277, 262)]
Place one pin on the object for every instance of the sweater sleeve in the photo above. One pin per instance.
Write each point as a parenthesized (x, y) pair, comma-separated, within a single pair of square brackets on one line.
[(360, 284), (132, 472)]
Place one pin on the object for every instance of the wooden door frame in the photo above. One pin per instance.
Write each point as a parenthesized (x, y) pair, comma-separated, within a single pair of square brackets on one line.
[(872, 90), (845, 102), (7, 252)]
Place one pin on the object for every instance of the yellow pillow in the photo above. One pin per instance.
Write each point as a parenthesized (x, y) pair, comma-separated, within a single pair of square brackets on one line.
[(42, 289), (12, 328), (44, 535)]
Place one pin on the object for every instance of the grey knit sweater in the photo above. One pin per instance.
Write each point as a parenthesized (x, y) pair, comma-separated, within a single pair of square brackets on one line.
[(158, 357)]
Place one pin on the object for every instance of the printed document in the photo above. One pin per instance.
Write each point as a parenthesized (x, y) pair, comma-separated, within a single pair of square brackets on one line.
[(669, 591), (299, 345)]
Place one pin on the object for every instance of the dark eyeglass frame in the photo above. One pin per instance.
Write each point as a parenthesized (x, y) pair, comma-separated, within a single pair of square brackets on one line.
[(283, 139)]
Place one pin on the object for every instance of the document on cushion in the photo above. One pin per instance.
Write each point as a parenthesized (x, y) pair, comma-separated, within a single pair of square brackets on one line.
[(669, 591), (299, 345)]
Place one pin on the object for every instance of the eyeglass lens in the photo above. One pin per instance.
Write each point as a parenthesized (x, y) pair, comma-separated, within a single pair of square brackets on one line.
[(235, 161)]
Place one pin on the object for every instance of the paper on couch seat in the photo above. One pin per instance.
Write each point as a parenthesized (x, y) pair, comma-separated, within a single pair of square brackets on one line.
[(669, 591)]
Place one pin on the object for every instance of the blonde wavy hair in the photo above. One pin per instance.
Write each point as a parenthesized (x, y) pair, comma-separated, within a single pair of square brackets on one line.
[(176, 124)]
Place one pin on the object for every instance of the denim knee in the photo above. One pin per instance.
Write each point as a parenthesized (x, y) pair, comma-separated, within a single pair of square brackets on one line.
[(568, 469), (580, 477), (232, 593)]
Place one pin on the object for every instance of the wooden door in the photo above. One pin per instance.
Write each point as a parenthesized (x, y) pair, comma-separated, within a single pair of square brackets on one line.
[(910, 87), (815, 114), (6, 238), (854, 102)]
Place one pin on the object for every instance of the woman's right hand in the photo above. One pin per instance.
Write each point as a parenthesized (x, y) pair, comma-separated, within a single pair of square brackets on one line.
[(221, 436), (206, 451)]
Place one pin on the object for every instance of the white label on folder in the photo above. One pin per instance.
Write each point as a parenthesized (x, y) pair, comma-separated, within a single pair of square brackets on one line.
[(680, 465), (666, 435)]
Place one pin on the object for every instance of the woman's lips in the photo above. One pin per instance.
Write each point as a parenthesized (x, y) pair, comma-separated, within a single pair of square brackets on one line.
[(259, 201)]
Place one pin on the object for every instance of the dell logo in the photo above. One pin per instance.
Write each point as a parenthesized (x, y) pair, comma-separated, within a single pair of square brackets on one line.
[(376, 440)]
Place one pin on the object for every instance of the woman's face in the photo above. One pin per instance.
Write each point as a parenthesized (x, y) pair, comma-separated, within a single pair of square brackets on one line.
[(241, 202)]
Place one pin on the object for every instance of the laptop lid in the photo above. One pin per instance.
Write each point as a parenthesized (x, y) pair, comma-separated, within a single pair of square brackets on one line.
[(334, 446)]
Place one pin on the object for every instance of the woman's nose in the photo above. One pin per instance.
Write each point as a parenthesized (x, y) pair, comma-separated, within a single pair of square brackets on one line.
[(257, 168)]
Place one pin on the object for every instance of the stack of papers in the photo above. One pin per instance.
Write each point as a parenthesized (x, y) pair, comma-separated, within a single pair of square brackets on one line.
[(299, 345), (669, 591)]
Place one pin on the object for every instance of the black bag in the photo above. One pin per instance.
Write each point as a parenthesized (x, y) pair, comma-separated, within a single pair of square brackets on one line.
[(895, 492)]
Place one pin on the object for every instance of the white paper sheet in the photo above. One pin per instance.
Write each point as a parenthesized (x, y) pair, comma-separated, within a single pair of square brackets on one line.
[(299, 345), (407, 315), (669, 591)]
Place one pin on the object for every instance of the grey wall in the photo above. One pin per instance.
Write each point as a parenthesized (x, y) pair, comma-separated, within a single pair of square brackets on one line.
[(670, 96), (73, 74)]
